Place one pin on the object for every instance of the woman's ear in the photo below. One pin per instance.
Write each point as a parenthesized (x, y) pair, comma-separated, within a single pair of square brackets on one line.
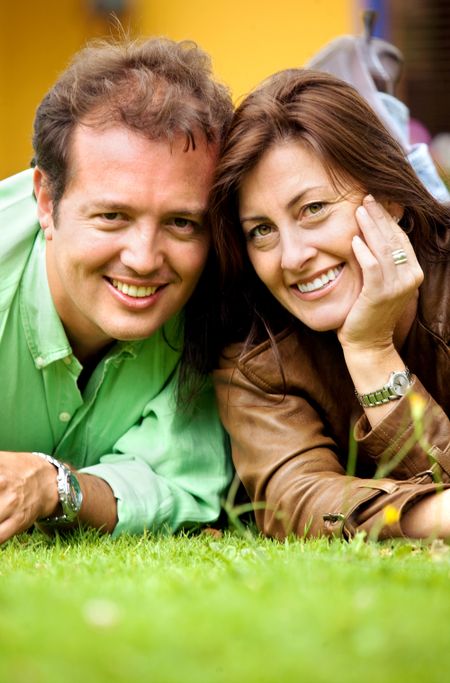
[(44, 202), (396, 210)]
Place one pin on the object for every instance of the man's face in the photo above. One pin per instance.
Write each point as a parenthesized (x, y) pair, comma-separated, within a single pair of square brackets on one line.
[(128, 243)]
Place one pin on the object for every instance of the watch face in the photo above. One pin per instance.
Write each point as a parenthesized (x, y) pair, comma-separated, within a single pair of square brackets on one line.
[(74, 494), (400, 383)]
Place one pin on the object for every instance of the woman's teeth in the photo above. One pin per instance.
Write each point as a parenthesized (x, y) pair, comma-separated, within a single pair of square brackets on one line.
[(133, 290), (321, 281)]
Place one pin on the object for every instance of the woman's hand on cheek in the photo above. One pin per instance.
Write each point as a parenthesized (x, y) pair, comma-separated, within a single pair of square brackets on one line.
[(387, 287)]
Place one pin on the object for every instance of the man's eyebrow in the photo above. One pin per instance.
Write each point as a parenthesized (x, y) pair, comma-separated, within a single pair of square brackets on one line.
[(106, 205), (119, 206), (193, 212)]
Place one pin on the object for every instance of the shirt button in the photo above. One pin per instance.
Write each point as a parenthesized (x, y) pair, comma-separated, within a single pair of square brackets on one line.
[(67, 360), (64, 417), (40, 362)]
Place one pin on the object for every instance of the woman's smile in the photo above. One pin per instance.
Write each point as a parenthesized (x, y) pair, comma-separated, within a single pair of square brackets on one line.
[(320, 282)]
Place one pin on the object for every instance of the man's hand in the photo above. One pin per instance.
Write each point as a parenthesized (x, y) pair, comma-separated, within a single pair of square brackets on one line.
[(28, 491)]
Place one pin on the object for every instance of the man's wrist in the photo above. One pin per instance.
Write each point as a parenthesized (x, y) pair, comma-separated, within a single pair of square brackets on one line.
[(68, 490)]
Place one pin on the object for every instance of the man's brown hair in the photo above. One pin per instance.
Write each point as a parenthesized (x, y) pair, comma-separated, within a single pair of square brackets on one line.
[(157, 87)]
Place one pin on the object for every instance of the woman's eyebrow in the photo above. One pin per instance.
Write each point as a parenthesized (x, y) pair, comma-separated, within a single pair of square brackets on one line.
[(245, 219), (300, 195), (292, 202)]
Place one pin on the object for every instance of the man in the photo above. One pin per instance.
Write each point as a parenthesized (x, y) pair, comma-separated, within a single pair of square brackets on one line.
[(97, 269)]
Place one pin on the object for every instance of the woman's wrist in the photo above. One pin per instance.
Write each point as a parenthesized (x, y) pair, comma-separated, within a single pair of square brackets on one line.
[(370, 368), (371, 371)]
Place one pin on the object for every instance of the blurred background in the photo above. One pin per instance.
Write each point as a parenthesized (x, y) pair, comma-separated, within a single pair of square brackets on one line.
[(247, 39)]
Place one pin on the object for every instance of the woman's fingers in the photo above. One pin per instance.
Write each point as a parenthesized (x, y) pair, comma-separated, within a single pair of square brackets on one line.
[(391, 276), (381, 229), (390, 246)]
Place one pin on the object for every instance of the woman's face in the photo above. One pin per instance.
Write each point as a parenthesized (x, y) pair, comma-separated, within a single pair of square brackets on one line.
[(299, 231)]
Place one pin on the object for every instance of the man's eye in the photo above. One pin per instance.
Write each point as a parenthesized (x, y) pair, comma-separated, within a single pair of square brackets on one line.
[(180, 222), (112, 216)]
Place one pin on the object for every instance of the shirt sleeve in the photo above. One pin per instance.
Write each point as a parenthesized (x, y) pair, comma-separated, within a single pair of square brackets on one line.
[(292, 468), (172, 468)]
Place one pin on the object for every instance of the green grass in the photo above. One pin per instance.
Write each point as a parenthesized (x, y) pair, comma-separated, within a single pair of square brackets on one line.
[(218, 610)]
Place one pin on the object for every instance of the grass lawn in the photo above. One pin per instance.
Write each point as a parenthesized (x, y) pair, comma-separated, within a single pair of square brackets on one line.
[(204, 609)]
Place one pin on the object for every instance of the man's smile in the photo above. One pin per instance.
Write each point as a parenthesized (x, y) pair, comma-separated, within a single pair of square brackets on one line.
[(134, 290)]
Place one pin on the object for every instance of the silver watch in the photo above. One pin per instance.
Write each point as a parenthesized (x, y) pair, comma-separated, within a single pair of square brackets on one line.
[(396, 387), (69, 492)]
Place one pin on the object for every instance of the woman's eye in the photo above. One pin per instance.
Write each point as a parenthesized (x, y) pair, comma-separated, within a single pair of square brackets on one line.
[(260, 231), (314, 208)]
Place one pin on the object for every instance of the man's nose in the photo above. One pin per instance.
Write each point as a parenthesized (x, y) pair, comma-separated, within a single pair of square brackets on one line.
[(143, 250), (296, 247)]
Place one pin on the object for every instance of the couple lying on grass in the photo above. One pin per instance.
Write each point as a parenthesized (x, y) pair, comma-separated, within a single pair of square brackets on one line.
[(314, 290)]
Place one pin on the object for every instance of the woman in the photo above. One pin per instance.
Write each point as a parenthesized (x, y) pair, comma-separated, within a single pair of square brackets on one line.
[(335, 266)]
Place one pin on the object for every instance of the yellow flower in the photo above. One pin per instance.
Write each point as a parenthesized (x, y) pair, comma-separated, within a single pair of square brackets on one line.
[(390, 515), (418, 405)]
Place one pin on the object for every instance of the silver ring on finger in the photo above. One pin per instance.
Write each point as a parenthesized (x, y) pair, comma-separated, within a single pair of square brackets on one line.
[(399, 256)]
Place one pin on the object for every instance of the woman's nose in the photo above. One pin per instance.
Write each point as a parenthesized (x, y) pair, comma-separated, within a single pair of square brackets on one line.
[(296, 248)]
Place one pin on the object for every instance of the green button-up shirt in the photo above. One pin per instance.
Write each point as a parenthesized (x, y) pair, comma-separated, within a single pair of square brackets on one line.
[(165, 467)]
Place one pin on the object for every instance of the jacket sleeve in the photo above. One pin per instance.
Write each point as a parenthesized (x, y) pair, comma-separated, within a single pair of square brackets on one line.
[(290, 466), (171, 468), (414, 437)]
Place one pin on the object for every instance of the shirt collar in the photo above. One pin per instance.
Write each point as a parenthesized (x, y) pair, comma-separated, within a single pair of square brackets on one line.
[(46, 337), (44, 330)]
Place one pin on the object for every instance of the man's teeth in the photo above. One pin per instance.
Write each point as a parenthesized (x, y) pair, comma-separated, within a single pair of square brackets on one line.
[(133, 290), (321, 281)]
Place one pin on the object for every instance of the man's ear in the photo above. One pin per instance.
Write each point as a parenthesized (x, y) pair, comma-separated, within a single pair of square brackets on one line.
[(44, 202)]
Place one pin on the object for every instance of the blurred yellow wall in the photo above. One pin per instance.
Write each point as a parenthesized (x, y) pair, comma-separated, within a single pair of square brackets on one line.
[(248, 39)]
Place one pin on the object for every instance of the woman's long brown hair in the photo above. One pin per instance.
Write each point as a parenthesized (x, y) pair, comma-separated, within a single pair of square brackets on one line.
[(330, 117)]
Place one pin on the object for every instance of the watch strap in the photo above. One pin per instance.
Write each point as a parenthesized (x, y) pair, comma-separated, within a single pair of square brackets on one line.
[(386, 393)]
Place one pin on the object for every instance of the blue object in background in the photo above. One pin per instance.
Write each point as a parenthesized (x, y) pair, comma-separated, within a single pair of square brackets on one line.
[(382, 27)]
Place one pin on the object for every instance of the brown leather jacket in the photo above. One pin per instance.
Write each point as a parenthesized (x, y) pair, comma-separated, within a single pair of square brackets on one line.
[(290, 419)]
